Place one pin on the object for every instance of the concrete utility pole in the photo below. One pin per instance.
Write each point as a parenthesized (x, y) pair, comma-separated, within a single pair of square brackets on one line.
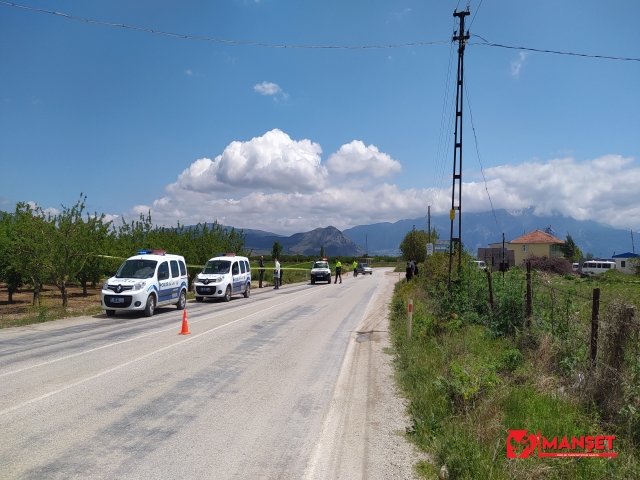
[(456, 203)]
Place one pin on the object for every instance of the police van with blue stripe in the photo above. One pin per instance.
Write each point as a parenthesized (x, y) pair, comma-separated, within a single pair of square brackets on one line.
[(145, 281), (223, 276)]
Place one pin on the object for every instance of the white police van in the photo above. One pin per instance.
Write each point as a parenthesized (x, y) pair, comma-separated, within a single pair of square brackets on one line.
[(222, 277), (145, 281)]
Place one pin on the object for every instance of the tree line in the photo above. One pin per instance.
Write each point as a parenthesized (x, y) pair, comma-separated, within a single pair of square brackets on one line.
[(76, 247)]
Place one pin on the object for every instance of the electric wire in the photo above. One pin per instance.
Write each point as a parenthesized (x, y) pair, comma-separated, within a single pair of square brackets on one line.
[(310, 47), (474, 15), (557, 52), (225, 41), (486, 187), (443, 124)]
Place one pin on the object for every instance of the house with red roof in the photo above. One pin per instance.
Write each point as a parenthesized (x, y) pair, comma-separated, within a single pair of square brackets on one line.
[(536, 243)]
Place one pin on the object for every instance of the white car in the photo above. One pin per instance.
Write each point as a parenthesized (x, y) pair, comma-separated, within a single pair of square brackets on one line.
[(145, 281), (222, 277), (321, 271), (363, 269)]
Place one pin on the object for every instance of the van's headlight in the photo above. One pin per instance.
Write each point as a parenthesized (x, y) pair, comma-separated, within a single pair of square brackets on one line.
[(139, 286), (105, 285)]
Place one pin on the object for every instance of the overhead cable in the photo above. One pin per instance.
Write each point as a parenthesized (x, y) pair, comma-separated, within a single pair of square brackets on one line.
[(540, 50), (220, 40)]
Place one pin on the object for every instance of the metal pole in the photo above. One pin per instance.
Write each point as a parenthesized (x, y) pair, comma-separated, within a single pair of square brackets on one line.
[(409, 319), (457, 151)]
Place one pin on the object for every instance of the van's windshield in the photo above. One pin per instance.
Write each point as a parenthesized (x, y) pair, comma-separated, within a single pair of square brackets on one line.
[(137, 269), (216, 266), (321, 265)]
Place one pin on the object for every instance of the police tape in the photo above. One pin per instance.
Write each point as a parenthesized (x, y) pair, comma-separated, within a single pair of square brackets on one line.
[(201, 266)]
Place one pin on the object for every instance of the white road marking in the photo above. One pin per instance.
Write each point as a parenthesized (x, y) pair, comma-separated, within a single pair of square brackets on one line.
[(110, 370)]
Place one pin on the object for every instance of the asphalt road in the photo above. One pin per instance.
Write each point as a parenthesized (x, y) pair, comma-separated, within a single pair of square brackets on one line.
[(249, 394)]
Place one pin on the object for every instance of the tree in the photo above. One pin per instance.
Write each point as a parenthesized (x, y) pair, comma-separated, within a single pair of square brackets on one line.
[(276, 250), (414, 245), (8, 272), (570, 250)]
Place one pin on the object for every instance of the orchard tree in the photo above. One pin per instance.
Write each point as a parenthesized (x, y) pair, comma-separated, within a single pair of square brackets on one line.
[(9, 274), (414, 245)]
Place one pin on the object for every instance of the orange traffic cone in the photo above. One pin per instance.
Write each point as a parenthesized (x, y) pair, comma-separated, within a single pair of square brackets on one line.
[(185, 324)]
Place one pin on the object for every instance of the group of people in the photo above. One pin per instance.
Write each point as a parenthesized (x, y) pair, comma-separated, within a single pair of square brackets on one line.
[(412, 269), (276, 273)]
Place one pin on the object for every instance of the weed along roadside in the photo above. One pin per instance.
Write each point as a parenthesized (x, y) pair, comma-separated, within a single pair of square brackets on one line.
[(533, 386)]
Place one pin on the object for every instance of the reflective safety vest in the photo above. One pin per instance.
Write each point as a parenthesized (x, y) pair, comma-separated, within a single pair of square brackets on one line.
[(338, 266), (355, 264)]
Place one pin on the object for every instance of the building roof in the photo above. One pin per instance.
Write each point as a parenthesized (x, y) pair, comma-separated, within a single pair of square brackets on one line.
[(537, 236), (626, 255)]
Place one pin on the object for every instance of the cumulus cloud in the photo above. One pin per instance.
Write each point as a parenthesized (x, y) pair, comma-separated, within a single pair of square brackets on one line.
[(278, 184), (355, 159), (516, 65), (271, 162)]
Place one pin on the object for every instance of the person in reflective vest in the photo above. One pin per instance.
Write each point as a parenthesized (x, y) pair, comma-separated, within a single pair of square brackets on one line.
[(355, 268), (338, 271)]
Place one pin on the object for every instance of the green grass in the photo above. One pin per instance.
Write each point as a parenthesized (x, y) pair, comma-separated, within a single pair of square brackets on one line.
[(467, 388)]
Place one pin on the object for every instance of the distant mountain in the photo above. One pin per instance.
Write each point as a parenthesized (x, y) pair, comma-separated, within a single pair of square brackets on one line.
[(334, 241), (480, 229)]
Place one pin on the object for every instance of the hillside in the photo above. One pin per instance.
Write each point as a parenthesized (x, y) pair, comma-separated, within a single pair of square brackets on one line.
[(334, 241), (480, 229)]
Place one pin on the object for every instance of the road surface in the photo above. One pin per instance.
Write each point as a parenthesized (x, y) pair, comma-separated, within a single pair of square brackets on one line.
[(284, 384)]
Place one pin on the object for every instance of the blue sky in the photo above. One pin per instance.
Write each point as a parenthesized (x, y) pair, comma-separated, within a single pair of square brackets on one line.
[(287, 140)]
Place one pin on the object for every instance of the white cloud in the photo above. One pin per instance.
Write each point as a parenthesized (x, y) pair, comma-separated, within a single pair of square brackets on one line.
[(356, 159), (278, 184), (271, 162), (267, 88), (516, 65), (188, 72)]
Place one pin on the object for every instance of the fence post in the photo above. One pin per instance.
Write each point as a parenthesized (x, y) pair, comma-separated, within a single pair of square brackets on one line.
[(490, 286), (529, 307), (595, 311), (409, 319)]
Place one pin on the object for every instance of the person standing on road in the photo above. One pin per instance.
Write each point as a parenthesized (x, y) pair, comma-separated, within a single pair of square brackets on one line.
[(276, 274), (355, 268), (409, 272), (261, 270), (338, 271)]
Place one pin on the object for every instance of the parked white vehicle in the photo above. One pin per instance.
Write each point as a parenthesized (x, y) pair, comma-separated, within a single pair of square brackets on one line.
[(145, 281), (222, 277), (596, 267)]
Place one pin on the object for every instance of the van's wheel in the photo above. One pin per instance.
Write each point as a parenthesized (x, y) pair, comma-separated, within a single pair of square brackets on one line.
[(227, 294), (110, 313), (182, 302), (313, 282), (151, 306), (247, 291), (199, 299)]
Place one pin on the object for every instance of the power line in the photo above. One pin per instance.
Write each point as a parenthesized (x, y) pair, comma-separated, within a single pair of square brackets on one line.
[(539, 50), (474, 15), (486, 187), (309, 47), (219, 40)]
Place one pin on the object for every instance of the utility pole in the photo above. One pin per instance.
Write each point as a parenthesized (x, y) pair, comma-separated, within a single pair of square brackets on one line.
[(456, 203), (429, 224), (633, 247)]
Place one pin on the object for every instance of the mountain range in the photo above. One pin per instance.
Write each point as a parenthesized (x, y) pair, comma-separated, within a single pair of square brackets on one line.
[(478, 230)]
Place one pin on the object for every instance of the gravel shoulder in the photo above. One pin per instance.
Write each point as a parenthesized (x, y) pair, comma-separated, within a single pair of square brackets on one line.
[(363, 432)]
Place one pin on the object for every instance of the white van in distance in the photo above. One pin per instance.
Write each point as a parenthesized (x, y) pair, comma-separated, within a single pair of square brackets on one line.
[(148, 280), (596, 267), (222, 277)]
